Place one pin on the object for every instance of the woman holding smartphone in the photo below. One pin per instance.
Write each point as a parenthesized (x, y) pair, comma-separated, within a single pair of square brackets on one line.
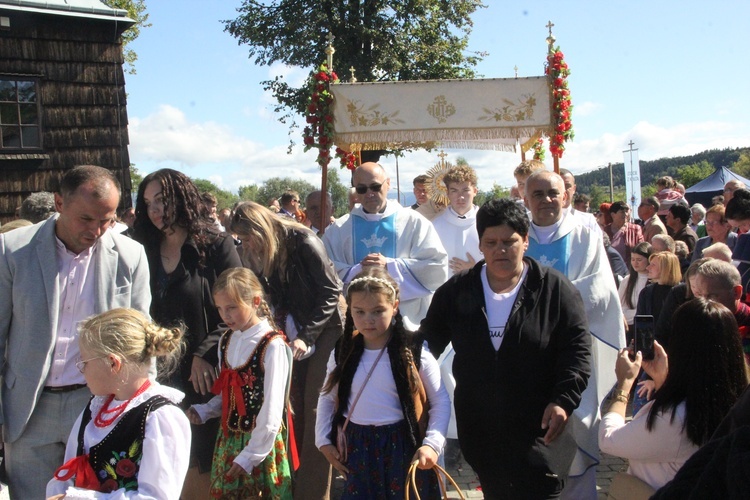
[(694, 391)]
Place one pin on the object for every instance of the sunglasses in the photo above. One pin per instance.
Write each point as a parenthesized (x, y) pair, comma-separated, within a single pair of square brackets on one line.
[(375, 188)]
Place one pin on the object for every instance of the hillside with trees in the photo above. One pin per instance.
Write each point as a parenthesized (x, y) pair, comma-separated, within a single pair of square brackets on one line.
[(687, 170)]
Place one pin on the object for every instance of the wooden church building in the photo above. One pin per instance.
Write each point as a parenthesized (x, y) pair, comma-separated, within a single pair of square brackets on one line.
[(62, 94)]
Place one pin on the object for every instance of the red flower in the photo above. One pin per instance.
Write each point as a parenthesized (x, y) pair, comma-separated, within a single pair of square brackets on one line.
[(309, 141), (109, 486), (322, 76), (125, 468)]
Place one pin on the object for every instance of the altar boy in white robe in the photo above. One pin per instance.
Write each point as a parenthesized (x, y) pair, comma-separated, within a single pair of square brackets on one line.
[(456, 226), (559, 240), (380, 232)]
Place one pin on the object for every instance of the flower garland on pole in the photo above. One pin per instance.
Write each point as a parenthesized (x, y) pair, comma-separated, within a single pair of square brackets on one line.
[(319, 131), (538, 148), (562, 107)]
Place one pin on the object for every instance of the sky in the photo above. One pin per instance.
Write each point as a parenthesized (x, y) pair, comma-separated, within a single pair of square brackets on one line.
[(671, 76)]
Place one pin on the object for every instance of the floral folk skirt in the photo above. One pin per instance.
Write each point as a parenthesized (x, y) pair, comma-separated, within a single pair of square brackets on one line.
[(271, 479), (378, 460)]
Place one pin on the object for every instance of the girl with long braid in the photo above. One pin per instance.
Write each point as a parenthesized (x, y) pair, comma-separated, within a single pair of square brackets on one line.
[(250, 458), (373, 397)]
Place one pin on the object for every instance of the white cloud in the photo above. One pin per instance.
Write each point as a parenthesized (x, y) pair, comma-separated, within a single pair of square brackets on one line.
[(586, 108), (213, 151), (168, 135)]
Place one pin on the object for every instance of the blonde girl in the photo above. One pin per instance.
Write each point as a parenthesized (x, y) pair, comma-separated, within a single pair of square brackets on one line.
[(250, 456), (383, 433), (131, 439)]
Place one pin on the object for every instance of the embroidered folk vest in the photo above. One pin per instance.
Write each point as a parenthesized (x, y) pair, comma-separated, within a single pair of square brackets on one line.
[(242, 388), (116, 459)]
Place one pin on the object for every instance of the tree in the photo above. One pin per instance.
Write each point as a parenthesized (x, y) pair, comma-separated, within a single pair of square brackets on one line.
[(135, 178), (495, 193), (137, 12), (275, 187), (248, 193), (224, 199), (381, 40), (693, 174), (742, 165), (339, 193)]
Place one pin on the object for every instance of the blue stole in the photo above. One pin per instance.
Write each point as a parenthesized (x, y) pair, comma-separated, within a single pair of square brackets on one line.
[(374, 237), (555, 254)]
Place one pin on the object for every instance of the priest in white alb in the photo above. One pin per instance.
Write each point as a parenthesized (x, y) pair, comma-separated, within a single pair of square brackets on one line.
[(457, 226), (380, 232), (558, 239)]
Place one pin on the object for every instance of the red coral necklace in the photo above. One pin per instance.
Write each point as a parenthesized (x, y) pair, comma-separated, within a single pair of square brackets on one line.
[(107, 415)]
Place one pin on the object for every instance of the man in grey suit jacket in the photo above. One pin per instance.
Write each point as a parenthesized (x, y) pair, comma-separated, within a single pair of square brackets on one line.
[(53, 275)]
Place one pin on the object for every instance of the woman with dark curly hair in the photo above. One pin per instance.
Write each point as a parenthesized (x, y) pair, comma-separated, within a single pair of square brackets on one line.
[(186, 252)]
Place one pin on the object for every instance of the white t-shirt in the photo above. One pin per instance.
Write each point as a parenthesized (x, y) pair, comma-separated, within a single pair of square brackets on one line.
[(499, 306)]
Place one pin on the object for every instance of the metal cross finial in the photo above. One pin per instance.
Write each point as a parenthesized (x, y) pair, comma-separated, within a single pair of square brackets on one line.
[(353, 79), (330, 50), (551, 37), (515, 68), (631, 144), (442, 156)]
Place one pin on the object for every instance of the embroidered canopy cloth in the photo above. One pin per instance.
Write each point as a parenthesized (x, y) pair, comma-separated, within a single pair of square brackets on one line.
[(495, 113)]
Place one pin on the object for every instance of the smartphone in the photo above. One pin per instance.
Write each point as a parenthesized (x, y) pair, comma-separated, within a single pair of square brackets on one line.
[(644, 336)]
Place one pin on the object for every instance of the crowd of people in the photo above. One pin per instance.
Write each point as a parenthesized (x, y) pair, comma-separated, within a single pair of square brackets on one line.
[(177, 350)]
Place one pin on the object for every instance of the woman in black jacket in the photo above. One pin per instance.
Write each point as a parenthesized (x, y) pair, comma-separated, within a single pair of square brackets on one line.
[(186, 252), (304, 291), (522, 359)]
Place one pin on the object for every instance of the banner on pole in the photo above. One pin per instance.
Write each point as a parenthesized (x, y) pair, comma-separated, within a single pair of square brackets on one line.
[(632, 180), (497, 114)]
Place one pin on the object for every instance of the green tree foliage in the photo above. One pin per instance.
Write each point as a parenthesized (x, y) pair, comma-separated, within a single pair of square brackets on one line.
[(248, 193), (275, 187), (742, 165), (135, 178), (339, 192), (653, 169), (693, 174), (495, 193), (381, 40), (224, 199), (137, 12), (598, 195)]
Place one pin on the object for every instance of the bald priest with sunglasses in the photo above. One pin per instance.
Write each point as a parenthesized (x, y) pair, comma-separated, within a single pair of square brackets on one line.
[(380, 232)]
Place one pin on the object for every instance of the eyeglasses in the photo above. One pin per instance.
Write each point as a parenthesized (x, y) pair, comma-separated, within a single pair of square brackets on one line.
[(238, 216), (81, 365), (375, 188)]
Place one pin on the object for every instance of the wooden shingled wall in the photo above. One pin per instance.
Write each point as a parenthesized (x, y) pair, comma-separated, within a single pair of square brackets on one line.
[(78, 63)]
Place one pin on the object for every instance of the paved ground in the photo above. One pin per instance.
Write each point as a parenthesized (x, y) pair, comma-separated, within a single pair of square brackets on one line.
[(467, 480)]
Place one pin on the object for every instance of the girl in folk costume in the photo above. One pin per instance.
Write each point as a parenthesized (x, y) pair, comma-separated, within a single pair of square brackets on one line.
[(250, 456), (371, 398), (132, 440)]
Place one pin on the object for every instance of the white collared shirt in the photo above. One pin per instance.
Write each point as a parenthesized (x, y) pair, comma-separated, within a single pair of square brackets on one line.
[(76, 286)]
